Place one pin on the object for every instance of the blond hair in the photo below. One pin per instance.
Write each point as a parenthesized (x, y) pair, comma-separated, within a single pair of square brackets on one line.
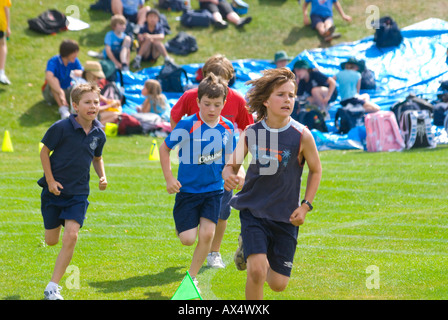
[(220, 66), (117, 19), (79, 90), (155, 95), (263, 87)]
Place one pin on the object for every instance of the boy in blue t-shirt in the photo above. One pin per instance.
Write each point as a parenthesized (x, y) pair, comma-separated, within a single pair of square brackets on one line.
[(117, 45), (76, 143), (349, 81), (204, 140), (58, 76), (322, 17)]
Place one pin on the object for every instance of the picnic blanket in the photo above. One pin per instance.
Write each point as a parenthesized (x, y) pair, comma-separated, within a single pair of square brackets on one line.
[(416, 66)]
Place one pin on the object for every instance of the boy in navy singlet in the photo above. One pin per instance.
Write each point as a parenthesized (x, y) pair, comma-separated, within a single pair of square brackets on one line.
[(76, 142), (270, 212), (204, 139)]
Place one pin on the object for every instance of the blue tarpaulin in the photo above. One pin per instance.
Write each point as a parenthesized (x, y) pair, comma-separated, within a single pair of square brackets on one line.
[(416, 66)]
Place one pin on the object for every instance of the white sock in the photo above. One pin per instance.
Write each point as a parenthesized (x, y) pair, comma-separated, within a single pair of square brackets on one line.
[(2, 72), (138, 58)]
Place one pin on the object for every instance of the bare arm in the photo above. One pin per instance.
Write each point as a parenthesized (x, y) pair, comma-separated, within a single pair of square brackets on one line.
[(341, 12), (172, 184), (53, 186), (232, 173), (310, 154), (306, 19), (98, 165)]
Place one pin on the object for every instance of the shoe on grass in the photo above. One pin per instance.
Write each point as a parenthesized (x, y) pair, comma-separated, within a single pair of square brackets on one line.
[(214, 260)]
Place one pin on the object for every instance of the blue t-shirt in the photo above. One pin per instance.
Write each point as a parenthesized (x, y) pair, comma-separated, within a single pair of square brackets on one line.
[(347, 81), (73, 152), (323, 8), (62, 72), (272, 186), (202, 152), (114, 42), (130, 7)]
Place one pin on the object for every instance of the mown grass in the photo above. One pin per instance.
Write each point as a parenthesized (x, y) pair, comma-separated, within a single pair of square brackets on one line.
[(386, 210)]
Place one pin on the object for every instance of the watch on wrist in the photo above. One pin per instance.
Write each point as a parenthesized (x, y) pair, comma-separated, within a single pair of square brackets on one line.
[(307, 203)]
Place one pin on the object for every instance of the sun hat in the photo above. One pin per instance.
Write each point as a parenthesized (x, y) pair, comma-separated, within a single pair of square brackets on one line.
[(352, 60), (301, 64), (281, 55), (94, 68)]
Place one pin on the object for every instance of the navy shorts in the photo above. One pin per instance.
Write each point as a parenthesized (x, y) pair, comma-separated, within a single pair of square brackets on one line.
[(278, 240), (315, 19), (190, 207), (57, 209), (224, 213)]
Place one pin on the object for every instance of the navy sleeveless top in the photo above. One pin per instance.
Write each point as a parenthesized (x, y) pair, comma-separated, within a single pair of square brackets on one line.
[(272, 185)]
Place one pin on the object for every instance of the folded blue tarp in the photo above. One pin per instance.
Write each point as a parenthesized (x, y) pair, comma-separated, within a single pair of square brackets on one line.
[(416, 66)]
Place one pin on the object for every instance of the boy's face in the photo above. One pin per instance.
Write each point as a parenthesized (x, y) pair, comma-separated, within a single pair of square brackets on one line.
[(210, 109), (88, 107), (120, 27), (72, 57), (152, 19), (281, 101)]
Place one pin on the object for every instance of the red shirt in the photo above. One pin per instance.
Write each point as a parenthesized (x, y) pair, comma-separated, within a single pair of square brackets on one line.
[(234, 110)]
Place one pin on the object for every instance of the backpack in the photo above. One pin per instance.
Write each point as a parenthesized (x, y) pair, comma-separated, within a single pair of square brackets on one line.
[(110, 91), (313, 119), (128, 125), (182, 44), (349, 117), (388, 34), (102, 5), (440, 113), (415, 126), (442, 92), (171, 77), (196, 18), (48, 22), (368, 80), (173, 5), (382, 132), (411, 102)]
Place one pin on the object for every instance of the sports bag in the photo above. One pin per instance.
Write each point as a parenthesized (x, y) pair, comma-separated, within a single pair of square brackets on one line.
[(368, 80), (196, 18), (172, 77), (440, 113), (415, 129), (128, 125), (382, 132), (388, 34), (349, 117), (313, 119), (48, 22), (411, 102), (173, 5), (182, 44)]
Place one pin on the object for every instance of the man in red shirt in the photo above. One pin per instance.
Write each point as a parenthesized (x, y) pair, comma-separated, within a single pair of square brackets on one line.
[(234, 110)]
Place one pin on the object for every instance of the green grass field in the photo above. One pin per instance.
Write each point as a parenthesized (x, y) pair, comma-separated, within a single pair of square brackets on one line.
[(385, 212)]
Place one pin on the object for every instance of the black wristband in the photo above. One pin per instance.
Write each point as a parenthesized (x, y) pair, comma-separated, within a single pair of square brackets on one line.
[(307, 203)]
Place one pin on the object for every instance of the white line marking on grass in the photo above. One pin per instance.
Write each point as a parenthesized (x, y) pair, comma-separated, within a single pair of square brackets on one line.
[(408, 252)]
